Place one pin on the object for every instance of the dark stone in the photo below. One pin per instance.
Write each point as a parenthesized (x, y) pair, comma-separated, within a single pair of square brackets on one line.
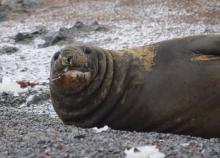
[(68, 34), (8, 50), (136, 150), (22, 5), (52, 40), (28, 36), (23, 36), (79, 136), (79, 24), (3, 15)]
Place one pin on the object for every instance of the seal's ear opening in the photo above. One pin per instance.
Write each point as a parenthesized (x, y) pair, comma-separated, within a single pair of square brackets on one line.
[(56, 55)]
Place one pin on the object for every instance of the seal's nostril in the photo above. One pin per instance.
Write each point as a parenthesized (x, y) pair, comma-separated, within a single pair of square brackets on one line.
[(56, 55)]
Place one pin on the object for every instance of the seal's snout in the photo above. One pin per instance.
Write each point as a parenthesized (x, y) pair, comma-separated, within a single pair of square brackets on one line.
[(75, 68), (76, 80)]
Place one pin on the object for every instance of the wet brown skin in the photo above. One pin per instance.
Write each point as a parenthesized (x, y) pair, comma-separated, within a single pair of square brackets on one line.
[(172, 86)]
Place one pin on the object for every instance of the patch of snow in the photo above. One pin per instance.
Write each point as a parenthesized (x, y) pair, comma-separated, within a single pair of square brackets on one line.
[(99, 130), (147, 151), (185, 144), (7, 85)]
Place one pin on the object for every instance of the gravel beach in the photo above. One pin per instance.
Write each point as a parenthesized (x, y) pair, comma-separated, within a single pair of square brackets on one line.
[(27, 135), (28, 40)]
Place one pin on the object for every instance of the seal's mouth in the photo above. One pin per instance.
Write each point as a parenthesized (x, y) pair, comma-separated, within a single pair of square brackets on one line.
[(76, 80), (73, 71), (74, 77)]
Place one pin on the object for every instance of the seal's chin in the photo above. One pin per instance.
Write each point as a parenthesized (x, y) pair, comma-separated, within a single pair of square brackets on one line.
[(76, 80)]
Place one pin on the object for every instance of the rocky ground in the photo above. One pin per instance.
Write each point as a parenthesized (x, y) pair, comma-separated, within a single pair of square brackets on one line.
[(30, 36)]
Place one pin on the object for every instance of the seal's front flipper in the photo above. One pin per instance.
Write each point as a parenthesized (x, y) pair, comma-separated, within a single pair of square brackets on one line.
[(205, 48)]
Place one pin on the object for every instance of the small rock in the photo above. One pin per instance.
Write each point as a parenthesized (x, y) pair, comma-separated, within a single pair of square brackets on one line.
[(79, 136), (8, 50), (95, 26), (27, 36), (22, 57), (2, 14), (68, 34), (24, 69), (22, 36), (60, 146), (136, 150), (52, 40), (79, 24), (22, 5), (37, 98), (41, 142)]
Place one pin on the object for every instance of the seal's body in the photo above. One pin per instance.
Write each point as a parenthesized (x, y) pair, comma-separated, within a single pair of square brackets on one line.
[(171, 86)]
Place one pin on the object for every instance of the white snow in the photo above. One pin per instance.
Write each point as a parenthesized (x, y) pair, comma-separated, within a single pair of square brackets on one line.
[(7, 85), (99, 130), (147, 151), (185, 144)]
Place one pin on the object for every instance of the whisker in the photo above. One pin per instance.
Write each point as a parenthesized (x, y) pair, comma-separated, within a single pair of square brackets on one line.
[(57, 77)]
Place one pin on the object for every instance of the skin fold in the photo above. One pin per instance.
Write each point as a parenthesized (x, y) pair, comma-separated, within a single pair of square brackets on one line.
[(171, 86)]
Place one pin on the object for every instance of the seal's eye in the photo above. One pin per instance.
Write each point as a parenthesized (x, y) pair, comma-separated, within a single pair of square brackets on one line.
[(66, 61), (87, 50), (69, 59), (56, 55)]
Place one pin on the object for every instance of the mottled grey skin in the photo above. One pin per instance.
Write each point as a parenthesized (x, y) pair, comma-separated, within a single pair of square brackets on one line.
[(179, 92)]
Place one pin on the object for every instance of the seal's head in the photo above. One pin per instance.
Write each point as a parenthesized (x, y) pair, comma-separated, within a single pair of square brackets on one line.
[(80, 80), (73, 68)]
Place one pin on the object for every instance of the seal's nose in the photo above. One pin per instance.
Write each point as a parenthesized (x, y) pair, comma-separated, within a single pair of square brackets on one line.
[(56, 55)]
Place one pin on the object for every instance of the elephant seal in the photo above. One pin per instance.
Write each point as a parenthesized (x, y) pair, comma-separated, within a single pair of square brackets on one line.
[(171, 86)]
